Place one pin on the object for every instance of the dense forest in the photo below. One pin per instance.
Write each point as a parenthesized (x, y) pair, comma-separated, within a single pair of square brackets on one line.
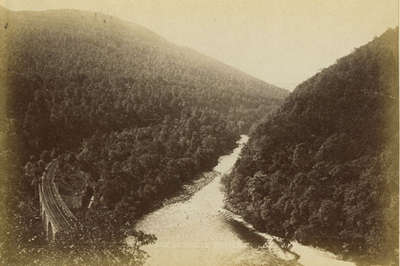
[(323, 169), (128, 116)]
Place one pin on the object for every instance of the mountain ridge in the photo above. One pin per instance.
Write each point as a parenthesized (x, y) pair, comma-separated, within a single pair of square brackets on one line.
[(75, 16), (326, 161)]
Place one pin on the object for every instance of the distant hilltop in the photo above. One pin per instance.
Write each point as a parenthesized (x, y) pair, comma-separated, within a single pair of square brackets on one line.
[(128, 48)]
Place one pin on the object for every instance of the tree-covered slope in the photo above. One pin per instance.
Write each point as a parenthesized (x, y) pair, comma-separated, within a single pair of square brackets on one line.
[(128, 116), (323, 169)]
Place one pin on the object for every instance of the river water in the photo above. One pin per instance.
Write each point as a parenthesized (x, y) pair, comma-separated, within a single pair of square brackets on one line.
[(199, 231)]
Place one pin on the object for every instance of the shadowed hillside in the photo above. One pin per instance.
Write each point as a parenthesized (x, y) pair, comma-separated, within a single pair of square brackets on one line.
[(323, 169)]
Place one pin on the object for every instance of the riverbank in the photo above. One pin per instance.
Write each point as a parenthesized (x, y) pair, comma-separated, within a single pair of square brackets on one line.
[(190, 188), (295, 252), (187, 189)]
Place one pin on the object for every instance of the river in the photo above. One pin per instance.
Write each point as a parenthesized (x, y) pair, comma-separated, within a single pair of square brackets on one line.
[(199, 231)]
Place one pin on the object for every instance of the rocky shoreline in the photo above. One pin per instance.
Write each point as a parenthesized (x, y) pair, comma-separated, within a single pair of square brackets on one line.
[(189, 189)]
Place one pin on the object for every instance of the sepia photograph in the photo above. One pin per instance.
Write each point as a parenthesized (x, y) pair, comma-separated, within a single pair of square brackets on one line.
[(199, 132)]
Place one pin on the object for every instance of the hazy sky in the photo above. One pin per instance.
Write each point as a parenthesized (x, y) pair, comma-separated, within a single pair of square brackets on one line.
[(282, 42)]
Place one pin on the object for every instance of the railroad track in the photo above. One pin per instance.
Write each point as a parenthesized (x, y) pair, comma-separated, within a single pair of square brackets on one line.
[(53, 208)]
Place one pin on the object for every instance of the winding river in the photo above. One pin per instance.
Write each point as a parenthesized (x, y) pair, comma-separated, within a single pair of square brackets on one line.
[(199, 231)]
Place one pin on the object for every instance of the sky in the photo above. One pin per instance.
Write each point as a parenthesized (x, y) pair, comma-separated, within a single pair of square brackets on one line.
[(283, 42)]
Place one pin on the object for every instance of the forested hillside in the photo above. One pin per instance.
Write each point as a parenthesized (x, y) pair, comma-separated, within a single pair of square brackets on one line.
[(323, 169), (127, 114)]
